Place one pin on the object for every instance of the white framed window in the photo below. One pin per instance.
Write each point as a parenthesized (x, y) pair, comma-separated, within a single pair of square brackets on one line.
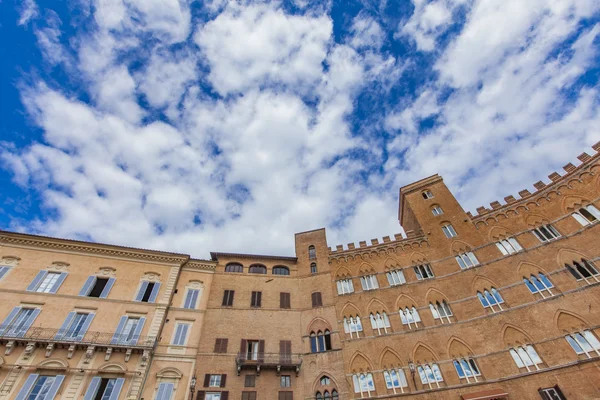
[(546, 233), (214, 381), (539, 284), (40, 387), (252, 349), (363, 384), (128, 331), (491, 299), (508, 246), (191, 298), (212, 396), (345, 286), (430, 374), (369, 282), (75, 326), (587, 215), (553, 393), (180, 334), (526, 357), (165, 391), (467, 260), (437, 210), (410, 317), (441, 311), (47, 282), (449, 231), (396, 277), (583, 270), (395, 379), (4, 270), (466, 369), (106, 389), (427, 194), (423, 271), (584, 342), (18, 321), (380, 322), (352, 325)]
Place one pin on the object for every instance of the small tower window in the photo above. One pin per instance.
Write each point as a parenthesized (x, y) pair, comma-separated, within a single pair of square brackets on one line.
[(427, 194), (313, 268), (312, 252), (436, 210)]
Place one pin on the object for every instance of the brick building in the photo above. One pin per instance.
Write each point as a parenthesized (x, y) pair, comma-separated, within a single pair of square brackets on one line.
[(504, 304)]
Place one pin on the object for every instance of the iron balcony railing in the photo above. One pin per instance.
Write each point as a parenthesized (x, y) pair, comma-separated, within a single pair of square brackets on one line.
[(105, 339), (269, 359)]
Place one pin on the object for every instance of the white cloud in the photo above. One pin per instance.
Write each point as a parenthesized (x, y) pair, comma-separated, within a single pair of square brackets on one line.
[(29, 10), (366, 32)]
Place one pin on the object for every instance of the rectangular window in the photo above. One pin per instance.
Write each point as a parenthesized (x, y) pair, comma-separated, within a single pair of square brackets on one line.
[(427, 194), (345, 286), (128, 331), (526, 357), (249, 380), (396, 277), (284, 300), (213, 396), (286, 396), (214, 381), (106, 388), (369, 282), (252, 349), (3, 270), (316, 299), (221, 345), (18, 322), (546, 233), (466, 260), (75, 326), (248, 395), (423, 271), (40, 387), (47, 282), (449, 231), (181, 333), (97, 287), (228, 298), (285, 381), (191, 298), (165, 391), (508, 246), (148, 292), (553, 393), (256, 299)]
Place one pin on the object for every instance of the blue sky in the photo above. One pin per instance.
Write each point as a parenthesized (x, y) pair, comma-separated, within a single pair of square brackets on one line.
[(230, 125)]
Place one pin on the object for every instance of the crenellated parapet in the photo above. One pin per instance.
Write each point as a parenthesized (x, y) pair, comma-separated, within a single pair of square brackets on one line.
[(543, 190)]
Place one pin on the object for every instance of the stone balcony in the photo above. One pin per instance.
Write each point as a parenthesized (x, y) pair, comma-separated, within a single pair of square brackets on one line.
[(276, 361)]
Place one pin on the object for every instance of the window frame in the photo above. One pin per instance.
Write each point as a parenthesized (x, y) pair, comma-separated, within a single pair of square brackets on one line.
[(195, 300), (345, 286), (550, 235), (436, 210), (257, 269), (380, 321), (280, 268), (369, 282), (402, 382), (353, 325), (471, 366), (583, 340), (440, 311), (509, 246), (232, 268), (427, 194), (228, 296), (422, 270), (449, 231), (410, 316), (184, 334), (466, 260), (396, 275), (363, 383), (518, 354), (436, 373)]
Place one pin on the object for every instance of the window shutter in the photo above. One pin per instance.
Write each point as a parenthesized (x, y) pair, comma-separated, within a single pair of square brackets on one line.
[(9, 319), (63, 329), (223, 380), (282, 302), (27, 387), (225, 395), (225, 297), (217, 348), (86, 325), (261, 351), (27, 325), (138, 331), (543, 394), (93, 388), (201, 394), (117, 389), (224, 343), (206, 380), (36, 281), (328, 341), (243, 349), (154, 293), (259, 298), (87, 286), (117, 336), (58, 380), (107, 288), (560, 393), (58, 282), (141, 291)]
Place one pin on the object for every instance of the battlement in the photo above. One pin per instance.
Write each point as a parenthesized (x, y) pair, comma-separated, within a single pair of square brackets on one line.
[(362, 245), (540, 186)]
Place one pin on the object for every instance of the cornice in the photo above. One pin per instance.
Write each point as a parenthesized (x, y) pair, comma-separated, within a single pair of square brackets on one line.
[(215, 256), (14, 239), (200, 265), (382, 249)]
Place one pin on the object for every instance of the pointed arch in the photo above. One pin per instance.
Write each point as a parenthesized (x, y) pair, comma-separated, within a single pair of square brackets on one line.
[(389, 358), (318, 324), (350, 309), (391, 263), (432, 295), (567, 256), (499, 232), (458, 348), (480, 282), (360, 363), (403, 301), (514, 336), (459, 246), (417, 258), (535, 219), (342, 272), (572, 202), (376, 305), (568, 321), (422, 353), (317, 381), (365, 269), (526, 269)]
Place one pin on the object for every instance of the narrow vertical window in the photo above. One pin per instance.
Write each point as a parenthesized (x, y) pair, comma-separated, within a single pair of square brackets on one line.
[(423, 272), (369, 282), (583, 270), (427, 194), (449, 231), (256, 300), (345, 286), (313, 268), (436, 210), (396, 277), (584, 343), (352, 326), (312, 252), (228, 298), (491, 299), (191, 298), (539, 284), (181, 333)]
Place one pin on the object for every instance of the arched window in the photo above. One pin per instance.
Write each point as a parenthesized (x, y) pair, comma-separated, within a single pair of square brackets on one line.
[(587, 215), (410, 317), (313, 268), (436, 210), (325, 380), (234, 267), (525, 357), (326, 395), (441, 311), (430, 374), (319, 396), (312, 252), (281, 270), (427, 194), (334, 395), (257, 269), (313, 343), (320, 342), (539, 284), (352, 325), (583, 270), (380, 322), (491, 299), (584, 343), (466, 369), (395, 379), (363, 384)]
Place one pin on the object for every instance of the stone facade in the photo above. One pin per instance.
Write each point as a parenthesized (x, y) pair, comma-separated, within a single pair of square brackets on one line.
[(452, 292)]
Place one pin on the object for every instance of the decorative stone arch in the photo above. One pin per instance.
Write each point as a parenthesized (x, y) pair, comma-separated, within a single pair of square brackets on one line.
[(568, 321), (567, 256), (59, 266), (318, 324), (350, 309), (404, 301), (169, 373), (390, 264), (317, 382), (534, 220), (53, 363), (113, 368), (573, 202), (417, 258), (107, 272), (360, 363), (514, 336), (458, 246), (343, 273), (423, 354), (499, 232), (458, 348), (376, 305), (525, 269), (389, 358), (10, 261), (480, 282), (366, 269), (432, 295), (151, 276), (195, 284)]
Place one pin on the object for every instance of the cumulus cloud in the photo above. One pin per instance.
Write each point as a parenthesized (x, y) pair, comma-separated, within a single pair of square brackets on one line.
[(28, 10)]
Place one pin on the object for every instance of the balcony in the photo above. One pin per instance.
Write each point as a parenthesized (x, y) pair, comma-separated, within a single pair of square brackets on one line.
[(50, 338), (275, 361)]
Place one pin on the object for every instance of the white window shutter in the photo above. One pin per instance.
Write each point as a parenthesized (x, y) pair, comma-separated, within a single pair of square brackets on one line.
[(87, 286), (36, 281)]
